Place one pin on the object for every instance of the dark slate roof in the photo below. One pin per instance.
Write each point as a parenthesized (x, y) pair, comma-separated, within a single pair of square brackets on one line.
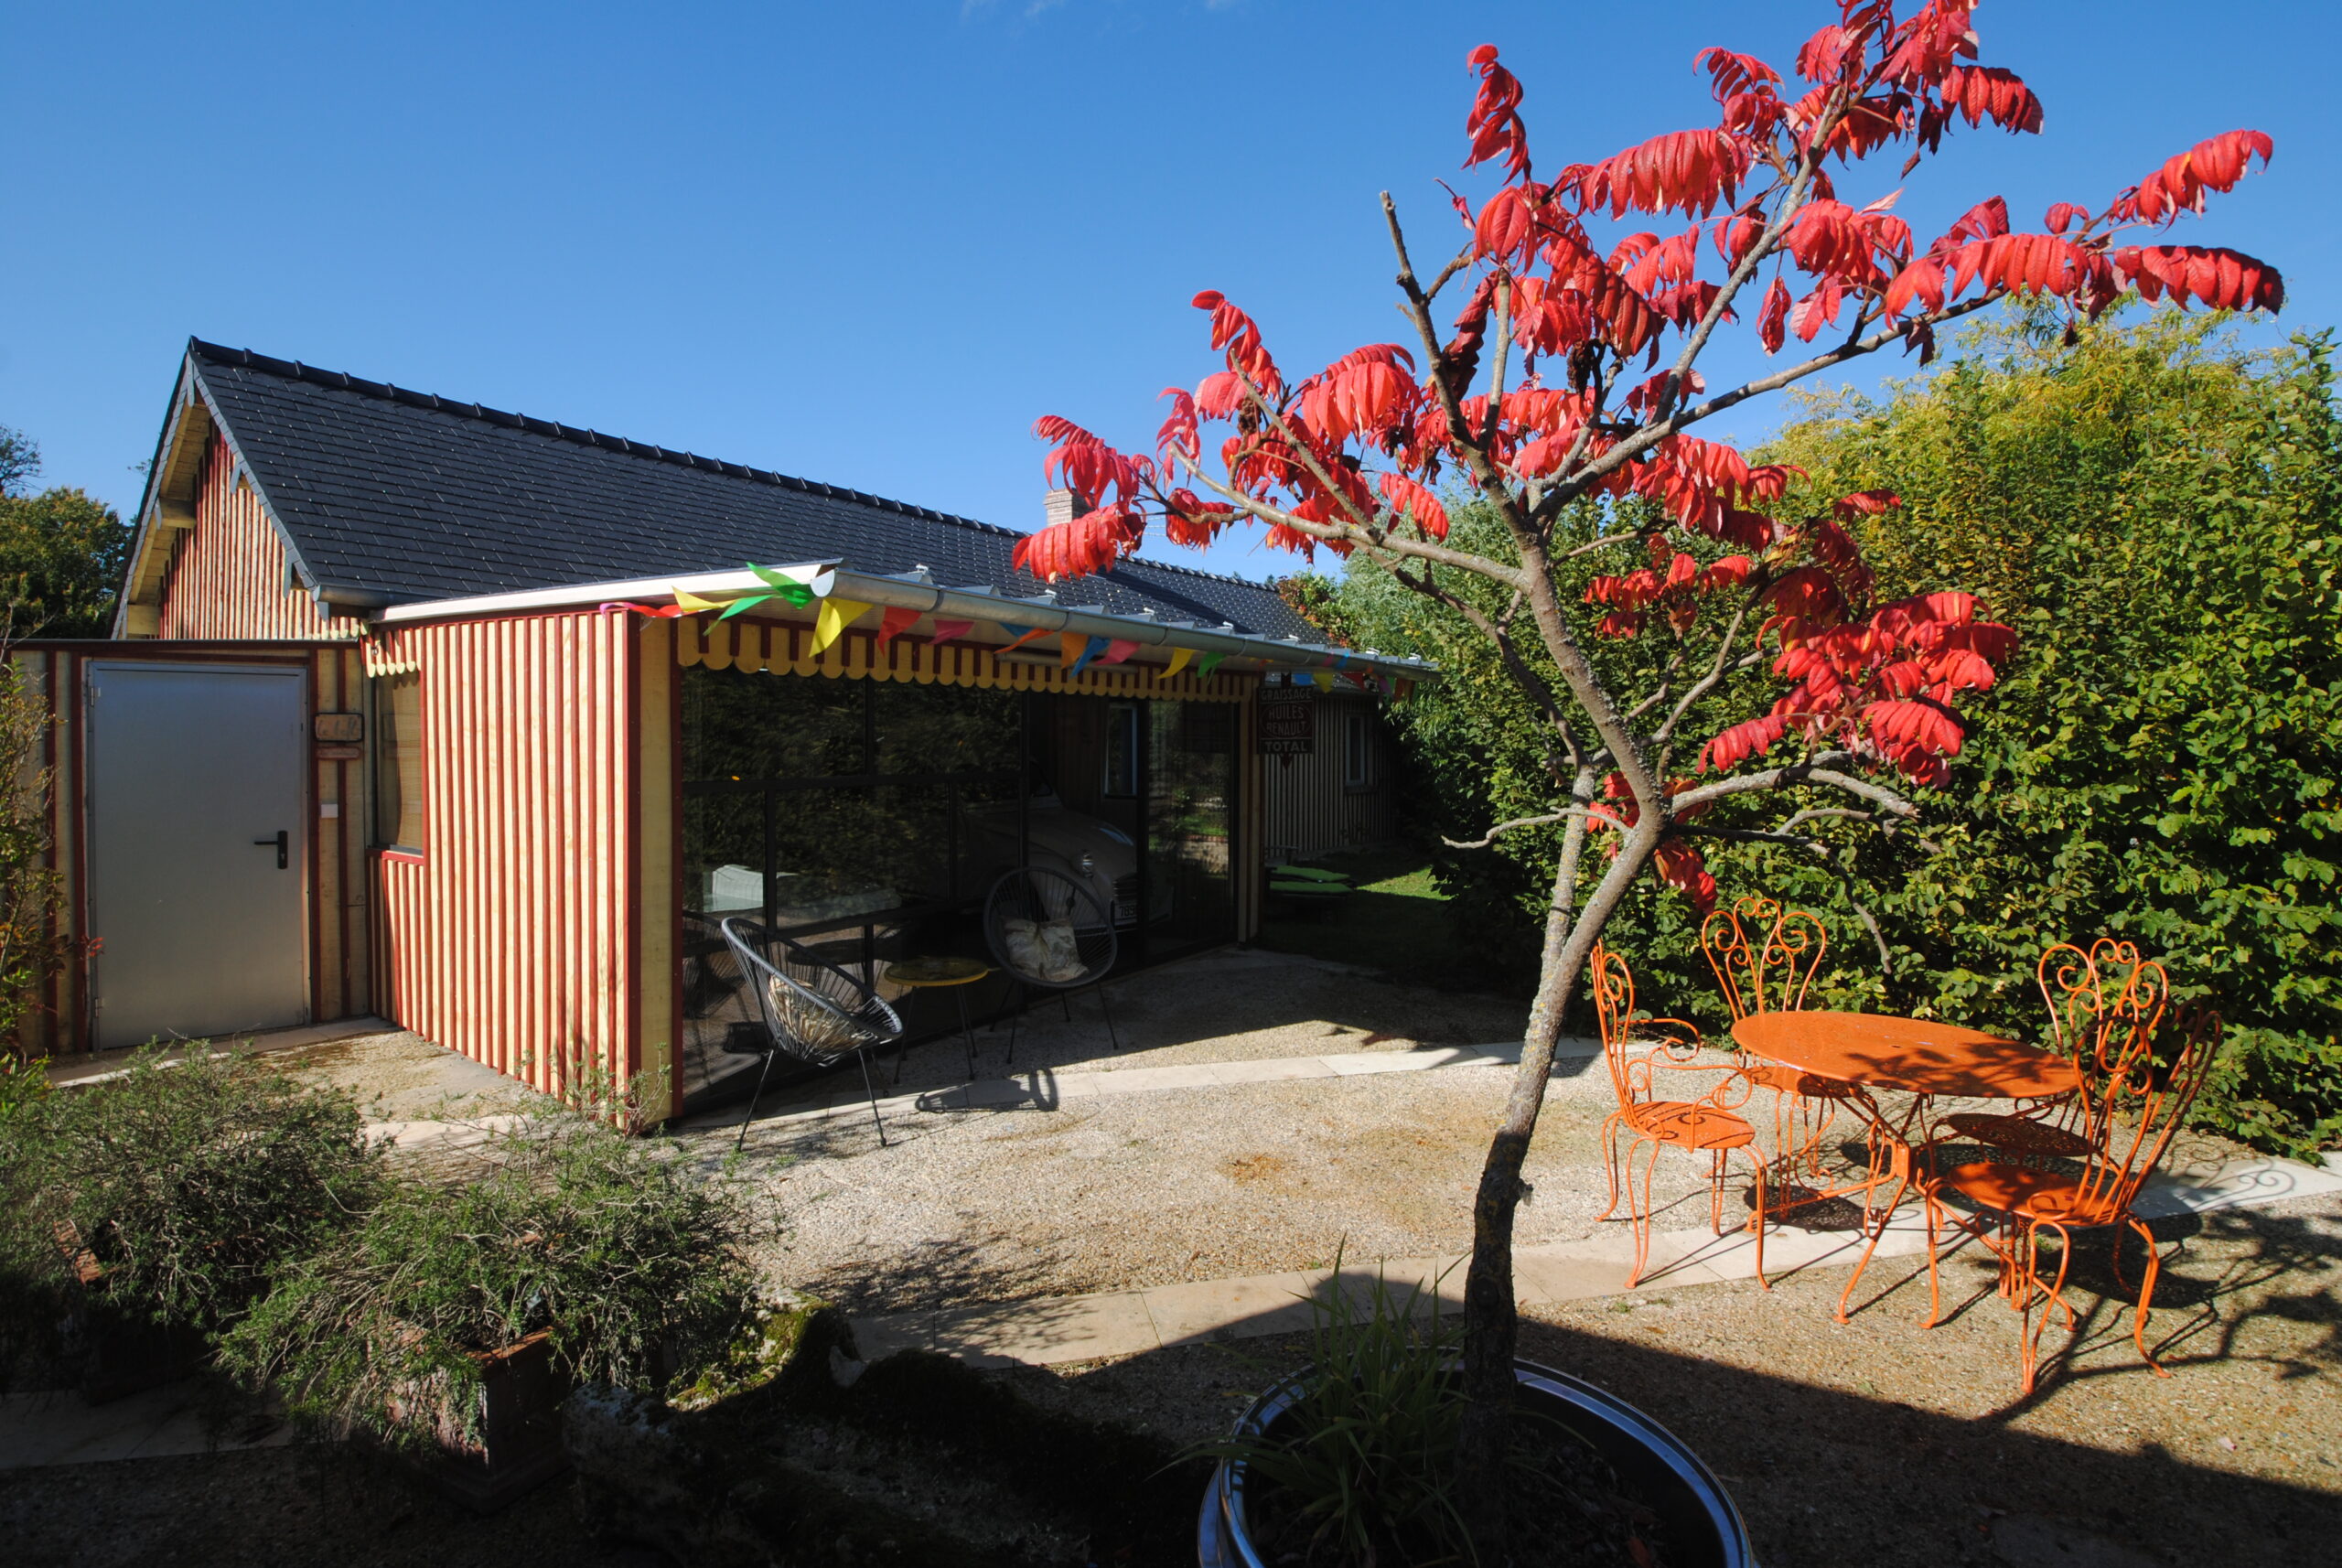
[(412, 497)]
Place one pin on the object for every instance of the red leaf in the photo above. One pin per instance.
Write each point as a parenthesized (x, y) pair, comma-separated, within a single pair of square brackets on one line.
[(1406, 497), (1773, 320), (1494, 125)]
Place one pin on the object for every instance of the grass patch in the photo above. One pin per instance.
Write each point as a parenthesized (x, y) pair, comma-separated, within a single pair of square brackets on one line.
[(1397, 921)]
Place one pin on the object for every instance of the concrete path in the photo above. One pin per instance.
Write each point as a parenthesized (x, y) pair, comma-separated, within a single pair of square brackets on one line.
[(99, 1066), (1125, 1323), (1045, 1089)]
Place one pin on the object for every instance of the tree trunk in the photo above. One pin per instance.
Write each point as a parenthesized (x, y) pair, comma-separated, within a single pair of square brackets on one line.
[(1491, 1325)]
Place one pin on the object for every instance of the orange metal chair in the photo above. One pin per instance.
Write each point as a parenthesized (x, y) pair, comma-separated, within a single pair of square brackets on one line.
[(2138, 1101), (1639, 1049), (1765, 958), (2094, 998)]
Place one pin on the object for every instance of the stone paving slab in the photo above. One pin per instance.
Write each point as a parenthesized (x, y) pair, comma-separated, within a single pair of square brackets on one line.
[(59, 1427)]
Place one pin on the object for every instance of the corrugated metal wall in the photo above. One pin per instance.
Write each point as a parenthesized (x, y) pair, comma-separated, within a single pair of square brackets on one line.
[(534, 931), (227, 575), (339, 952), (1310, 810)]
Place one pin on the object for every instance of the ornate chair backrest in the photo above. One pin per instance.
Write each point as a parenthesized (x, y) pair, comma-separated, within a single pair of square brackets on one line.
[(1631, 1042), (1047, 929), (1765, 957), (816, 1011), (2151, 1079)]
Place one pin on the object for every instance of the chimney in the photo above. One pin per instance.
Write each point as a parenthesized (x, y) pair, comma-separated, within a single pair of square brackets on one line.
[(1063, 506)]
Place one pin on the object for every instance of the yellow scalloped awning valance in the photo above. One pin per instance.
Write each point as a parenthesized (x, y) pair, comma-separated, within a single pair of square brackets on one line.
[(749, 645)]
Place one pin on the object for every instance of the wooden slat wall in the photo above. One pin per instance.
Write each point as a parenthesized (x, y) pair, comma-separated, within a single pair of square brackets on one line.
[(227, 577), (1310, 812), (534, 931)]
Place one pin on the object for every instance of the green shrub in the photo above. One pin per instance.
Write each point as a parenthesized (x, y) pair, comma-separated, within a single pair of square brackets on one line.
[(189, 1184), (635, 1265)]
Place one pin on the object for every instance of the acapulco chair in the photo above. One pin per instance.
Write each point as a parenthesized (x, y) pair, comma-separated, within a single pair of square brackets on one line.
[(1051, 933), (815, 1012)]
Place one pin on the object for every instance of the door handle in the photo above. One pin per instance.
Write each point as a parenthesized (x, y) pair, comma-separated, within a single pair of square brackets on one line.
[(284, 844)]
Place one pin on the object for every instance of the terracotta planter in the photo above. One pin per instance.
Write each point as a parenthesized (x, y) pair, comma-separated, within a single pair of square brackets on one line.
[(519, 1445), (1704, 1528)]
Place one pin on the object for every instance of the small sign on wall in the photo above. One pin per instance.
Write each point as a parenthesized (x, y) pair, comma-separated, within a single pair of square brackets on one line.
[(339, 728), (1288, 721)]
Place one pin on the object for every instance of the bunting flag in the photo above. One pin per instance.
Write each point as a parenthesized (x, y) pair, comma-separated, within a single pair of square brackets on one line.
[(835, 616), (784, 586), (1323, 678), (1363, 680), (1179, 657), (656, 612), (1210, 662), (1019, 636), (1074, 649), (894, 623), (1117, 651), (1091, 650), (949, 631), (692, 603)]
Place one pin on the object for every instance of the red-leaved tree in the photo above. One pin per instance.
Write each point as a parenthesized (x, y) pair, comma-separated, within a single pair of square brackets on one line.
[(1570, 373)]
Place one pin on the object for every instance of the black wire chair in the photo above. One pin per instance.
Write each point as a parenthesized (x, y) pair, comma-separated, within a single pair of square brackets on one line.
[(1050, 933), (815, 1012)]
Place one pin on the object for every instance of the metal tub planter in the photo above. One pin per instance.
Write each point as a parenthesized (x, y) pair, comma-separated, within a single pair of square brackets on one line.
[(1704, 1528)]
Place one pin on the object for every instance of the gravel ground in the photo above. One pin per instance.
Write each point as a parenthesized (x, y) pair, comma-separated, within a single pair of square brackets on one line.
[(1873, 1443), (1229, 1005), (402, 1076)]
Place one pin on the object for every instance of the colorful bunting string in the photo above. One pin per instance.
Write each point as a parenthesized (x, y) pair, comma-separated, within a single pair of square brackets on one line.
[(692, 603), (949, 631), (1210, 662), (1020, 636), (894, 623), (835, 616), (656, 612), (1179, 657), (1091, 650), (1117, 651), (1323, 679), (1073, 649)]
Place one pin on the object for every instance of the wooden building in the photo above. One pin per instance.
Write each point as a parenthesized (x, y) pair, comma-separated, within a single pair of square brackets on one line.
[(537, 761)]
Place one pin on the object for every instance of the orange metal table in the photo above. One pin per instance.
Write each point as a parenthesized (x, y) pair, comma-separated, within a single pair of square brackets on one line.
[(1927, 1060)]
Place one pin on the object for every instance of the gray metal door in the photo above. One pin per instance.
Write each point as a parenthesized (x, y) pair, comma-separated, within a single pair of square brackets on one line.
[(197, 847)]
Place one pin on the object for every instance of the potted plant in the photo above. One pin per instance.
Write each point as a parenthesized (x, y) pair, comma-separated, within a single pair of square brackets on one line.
[(149, 1211), (450, 1324), (1352, 1460)]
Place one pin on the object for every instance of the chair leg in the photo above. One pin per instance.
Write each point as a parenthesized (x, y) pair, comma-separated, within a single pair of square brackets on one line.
[(1757, 1221), (871, 1089), (967, 1030), (1637, 1214), (1610, 1162), (742, 1142), (1104, 1006), (1015, 1017), (1065, 1001), (2146, 1295)]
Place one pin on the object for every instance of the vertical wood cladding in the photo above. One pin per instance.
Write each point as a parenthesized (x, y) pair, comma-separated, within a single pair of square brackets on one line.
[(229, 576), (519, 933), (1311, 809)]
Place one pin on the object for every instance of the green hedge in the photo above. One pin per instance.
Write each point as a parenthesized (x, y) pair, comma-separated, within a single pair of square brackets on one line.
[(2155, 510)]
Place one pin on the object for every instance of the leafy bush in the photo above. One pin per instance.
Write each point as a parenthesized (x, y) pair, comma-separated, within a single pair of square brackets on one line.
[(189, 1184), (636, 1267), (2159, 514)]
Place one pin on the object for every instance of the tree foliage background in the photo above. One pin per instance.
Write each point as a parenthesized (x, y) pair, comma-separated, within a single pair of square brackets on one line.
[(62, 552), (2158, 511)]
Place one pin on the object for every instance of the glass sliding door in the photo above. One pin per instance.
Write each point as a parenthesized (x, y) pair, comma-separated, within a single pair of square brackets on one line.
[(1188, 785)]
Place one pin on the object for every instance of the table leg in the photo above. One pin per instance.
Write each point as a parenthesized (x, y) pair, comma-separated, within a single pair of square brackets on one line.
[(1897, 1142)]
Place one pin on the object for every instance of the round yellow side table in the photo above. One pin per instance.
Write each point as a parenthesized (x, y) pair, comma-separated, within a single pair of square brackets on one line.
[(933, 973)]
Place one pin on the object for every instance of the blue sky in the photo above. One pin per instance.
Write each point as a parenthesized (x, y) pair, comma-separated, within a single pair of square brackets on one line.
[(869, 243)]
